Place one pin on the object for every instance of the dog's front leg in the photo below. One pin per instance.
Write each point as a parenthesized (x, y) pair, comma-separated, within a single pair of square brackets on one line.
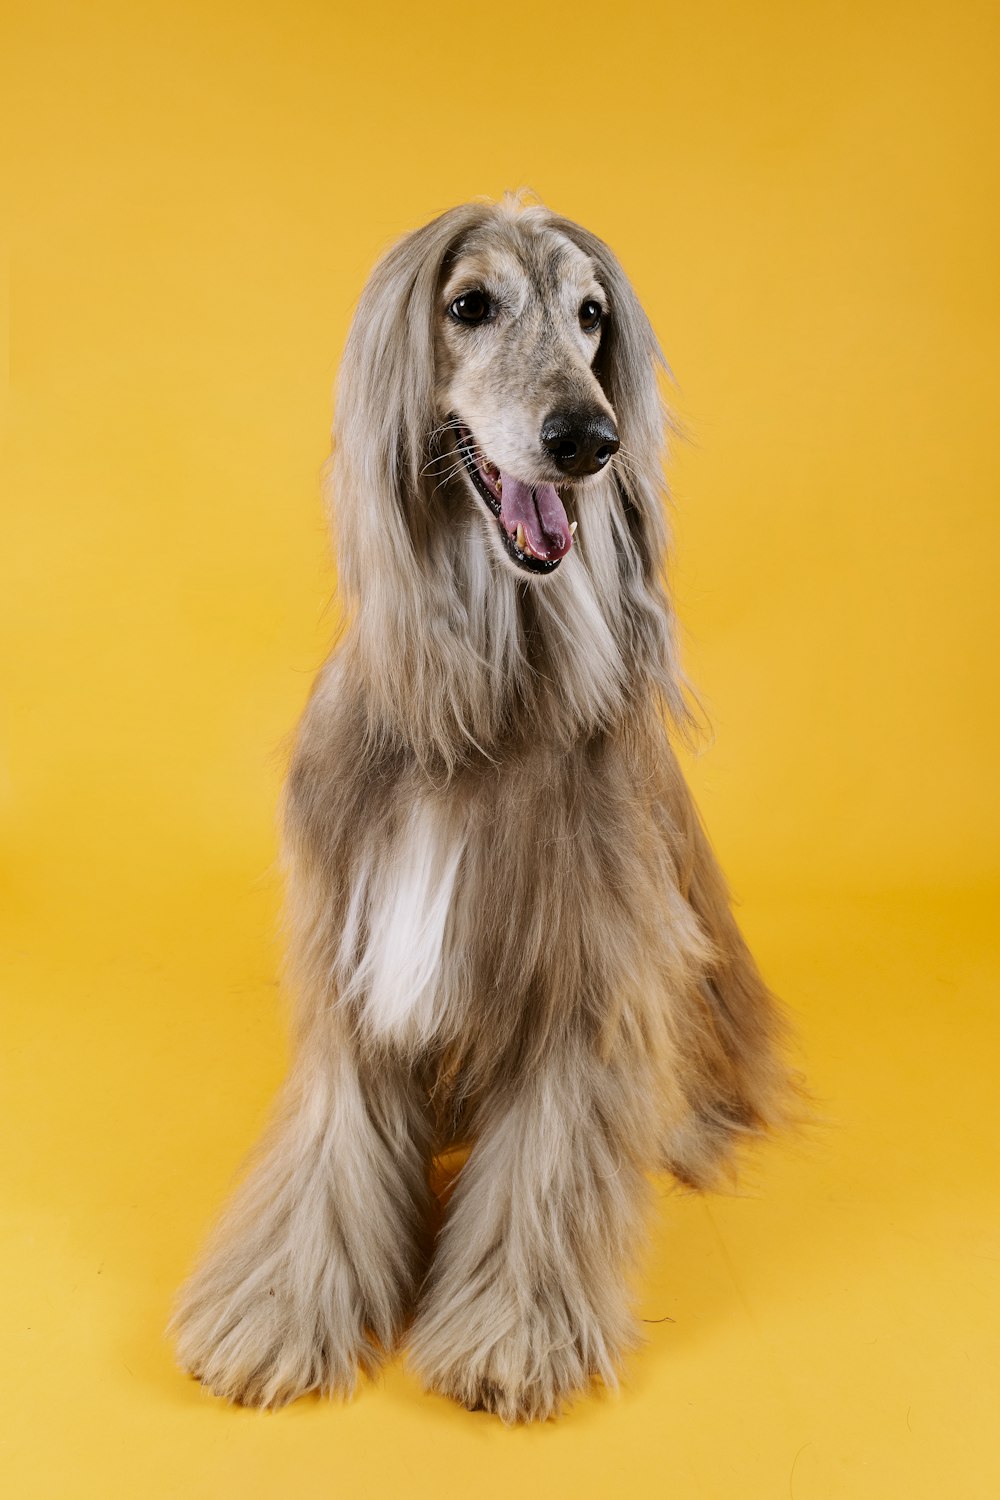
[(315, 1263), (527, 1300)]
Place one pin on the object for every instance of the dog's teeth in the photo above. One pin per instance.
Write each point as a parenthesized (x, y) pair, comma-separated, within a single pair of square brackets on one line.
[(499, 484), (520, 538), (572, 527)]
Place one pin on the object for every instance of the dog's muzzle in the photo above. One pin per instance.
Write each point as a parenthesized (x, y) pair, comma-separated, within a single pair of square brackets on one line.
[(534, 527)]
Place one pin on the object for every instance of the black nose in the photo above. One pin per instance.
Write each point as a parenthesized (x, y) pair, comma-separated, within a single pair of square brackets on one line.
[(581, 441)]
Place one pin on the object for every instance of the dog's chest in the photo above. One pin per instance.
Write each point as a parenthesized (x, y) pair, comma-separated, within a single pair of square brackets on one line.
[(395, 956)]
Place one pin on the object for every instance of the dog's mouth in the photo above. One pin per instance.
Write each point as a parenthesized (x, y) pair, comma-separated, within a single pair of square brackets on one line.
[(532, 520)]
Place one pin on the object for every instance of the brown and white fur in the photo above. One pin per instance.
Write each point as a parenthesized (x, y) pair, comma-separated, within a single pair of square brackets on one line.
[(507, 928)]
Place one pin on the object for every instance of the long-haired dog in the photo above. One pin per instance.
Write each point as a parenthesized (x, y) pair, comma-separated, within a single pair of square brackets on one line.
[(507, 928)]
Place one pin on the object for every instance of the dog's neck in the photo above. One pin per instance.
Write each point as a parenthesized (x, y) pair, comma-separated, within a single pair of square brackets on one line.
[(458, 656)]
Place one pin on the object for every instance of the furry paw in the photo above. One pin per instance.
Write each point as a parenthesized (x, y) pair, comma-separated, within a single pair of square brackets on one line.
[(261, 1342), (523, 1363)]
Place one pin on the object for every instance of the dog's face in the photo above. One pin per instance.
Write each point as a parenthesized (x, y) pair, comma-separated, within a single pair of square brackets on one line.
[(519, 326)]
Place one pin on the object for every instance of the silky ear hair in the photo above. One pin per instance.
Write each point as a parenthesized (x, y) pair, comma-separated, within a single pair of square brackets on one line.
[(385, 414), (628, 364)]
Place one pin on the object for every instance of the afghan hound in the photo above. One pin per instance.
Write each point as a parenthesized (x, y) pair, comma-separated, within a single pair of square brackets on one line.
[(506, 926)]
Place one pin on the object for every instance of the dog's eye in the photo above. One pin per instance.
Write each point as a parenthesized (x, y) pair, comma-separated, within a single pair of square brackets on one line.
[(471, 307), (591, 314)]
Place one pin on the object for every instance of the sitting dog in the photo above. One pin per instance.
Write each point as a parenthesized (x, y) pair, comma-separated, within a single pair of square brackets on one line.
[(507, 928)]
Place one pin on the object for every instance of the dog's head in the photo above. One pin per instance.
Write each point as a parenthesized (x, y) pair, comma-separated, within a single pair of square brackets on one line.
[(499, 373), (520, 320)]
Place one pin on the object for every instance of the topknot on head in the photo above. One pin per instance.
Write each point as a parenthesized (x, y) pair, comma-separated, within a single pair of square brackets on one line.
[(518, 202)]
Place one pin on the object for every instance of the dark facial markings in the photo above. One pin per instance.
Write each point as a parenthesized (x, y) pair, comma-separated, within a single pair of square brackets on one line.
[(545, 268)]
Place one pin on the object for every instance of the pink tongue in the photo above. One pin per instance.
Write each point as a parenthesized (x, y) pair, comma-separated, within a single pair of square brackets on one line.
[(540, 512)]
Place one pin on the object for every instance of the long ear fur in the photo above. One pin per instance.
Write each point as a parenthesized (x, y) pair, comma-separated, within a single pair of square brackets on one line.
[(417, 667), (385, 413), (628, 363)]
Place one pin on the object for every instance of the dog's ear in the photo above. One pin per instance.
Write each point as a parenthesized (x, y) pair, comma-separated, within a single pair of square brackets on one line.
[(628, 365), (385, 410)]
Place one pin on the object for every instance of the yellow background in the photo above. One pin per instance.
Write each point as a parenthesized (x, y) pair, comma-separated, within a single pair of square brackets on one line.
[(806, 196)]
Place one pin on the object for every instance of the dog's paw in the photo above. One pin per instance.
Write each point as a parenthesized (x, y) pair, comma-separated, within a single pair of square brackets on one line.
[(516, 1396), (525, 1366), (262, 1343)]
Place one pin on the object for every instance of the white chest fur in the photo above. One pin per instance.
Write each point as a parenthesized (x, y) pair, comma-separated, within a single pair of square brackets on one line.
[(394, 950)]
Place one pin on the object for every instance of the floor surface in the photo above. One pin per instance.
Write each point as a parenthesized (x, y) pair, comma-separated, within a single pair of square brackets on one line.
[(832, 1331)]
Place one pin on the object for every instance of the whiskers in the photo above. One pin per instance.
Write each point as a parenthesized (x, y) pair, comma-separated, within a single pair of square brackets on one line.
[(446, 463), (629, 466)]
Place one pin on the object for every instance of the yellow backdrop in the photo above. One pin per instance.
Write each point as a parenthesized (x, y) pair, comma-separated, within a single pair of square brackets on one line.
[(806, 196)]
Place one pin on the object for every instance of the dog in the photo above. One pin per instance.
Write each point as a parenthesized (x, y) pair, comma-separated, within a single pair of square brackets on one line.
[(507, 929)]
